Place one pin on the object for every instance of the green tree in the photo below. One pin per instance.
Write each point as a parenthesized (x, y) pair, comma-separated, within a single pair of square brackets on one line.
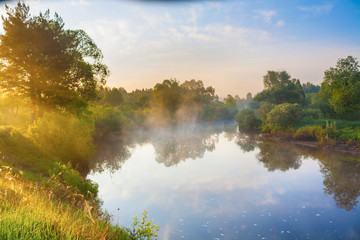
[(45, 63), (341, 86), (113, 96), (230, 101), (247, 120), (168, 96), (282, 117), (280, 88)]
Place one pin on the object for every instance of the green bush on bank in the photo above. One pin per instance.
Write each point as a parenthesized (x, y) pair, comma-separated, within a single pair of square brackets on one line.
[(64, 136), (107, 120), (311, 133), (247, 120), (282, 118)]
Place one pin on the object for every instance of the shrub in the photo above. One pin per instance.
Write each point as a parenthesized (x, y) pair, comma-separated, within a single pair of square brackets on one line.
[(64, 136), (309, 113), (247, 120), (107, 119), (311, 133), (263, 110), (71, 178), (282, 118)]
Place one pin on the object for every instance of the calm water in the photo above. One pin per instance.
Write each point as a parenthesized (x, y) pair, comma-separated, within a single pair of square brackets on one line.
[(212, 182)]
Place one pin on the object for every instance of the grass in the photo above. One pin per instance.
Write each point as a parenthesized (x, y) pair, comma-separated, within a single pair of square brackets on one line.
[(41, 198), (346, 130), (30, 211)]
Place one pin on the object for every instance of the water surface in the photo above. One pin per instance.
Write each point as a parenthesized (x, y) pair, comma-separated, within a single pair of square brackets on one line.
[(212, 182)]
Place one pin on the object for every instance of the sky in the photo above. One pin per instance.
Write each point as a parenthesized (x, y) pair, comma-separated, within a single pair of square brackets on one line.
[(229, 45)]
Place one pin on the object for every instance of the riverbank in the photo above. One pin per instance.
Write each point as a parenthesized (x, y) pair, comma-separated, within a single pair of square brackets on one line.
[(352, 148), (42, 198)]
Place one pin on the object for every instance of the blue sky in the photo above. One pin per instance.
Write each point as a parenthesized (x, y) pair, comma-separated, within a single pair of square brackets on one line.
[(230, 45)]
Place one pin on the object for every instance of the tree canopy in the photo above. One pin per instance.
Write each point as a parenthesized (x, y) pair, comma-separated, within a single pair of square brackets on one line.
[(280, 88), (45, 63), (341, 85)]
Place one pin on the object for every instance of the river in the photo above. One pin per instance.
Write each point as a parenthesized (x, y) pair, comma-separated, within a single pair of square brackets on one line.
[(213, 182)]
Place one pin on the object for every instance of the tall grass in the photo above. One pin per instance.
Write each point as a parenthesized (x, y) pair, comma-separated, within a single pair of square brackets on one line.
[(29, 211), (346, 130)]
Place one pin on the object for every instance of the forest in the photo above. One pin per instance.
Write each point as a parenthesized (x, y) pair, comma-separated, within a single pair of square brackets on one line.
[(55, 106)]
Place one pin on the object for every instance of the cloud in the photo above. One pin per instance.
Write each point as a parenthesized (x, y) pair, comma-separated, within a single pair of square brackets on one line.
[(280, 23), (267, 15), (78, 2), (317, 9)]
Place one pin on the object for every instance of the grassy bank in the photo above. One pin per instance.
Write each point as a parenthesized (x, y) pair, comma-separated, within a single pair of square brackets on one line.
[(345, 130), (42, 198)]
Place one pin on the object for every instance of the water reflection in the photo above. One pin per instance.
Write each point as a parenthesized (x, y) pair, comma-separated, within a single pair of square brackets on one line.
[(341, 180), (172, 145), (341, 172), (239, 186)]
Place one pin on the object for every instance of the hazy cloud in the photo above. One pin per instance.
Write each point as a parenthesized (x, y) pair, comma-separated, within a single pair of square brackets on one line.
[(280, 23), (267, 15), (317, 9)]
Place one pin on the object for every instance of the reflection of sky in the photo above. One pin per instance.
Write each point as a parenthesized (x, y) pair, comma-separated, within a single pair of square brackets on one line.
[(227, 194)]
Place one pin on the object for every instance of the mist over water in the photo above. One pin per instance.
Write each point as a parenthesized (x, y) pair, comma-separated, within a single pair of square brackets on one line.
[(213, 182)]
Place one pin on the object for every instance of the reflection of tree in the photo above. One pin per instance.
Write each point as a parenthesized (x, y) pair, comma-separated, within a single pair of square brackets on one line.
[(246, 142), (180, 143), (278, 156), (341, 172), (341, 180), (111, 154)]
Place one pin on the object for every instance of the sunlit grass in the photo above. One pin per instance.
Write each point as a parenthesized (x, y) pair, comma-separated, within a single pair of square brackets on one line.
[(346, 130), (29, 211)]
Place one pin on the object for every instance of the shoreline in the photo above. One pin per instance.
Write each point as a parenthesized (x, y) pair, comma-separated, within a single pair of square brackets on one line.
[(341, 147)]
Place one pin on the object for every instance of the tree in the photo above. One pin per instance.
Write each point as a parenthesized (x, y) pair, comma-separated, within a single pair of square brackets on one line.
[(341, 86), (280, 88), (113, 96), (247, 120), (230, 101), (45, 63), (282, 117), (168, 96)]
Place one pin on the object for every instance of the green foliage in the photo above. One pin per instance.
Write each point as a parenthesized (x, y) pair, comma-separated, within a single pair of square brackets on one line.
[(341, 86), (311, 133), (282, 118), (217, 111), (247, 120), (31, 211), (64, 174), (310, 113), (167, 96), (107, 120), (64, 136), (279, 88), (263, 110), (46, 63), (230, 100), (19, 151), (317, 133), (112, 96), (310, 88), (144, 229)]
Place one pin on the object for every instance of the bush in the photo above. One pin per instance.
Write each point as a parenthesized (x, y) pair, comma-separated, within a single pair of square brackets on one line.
[(309, 113), (317, 133), (263, 110), (107, 120), (311, 133), (64, 136), (282, 118), (71, 178), (247, 120)]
